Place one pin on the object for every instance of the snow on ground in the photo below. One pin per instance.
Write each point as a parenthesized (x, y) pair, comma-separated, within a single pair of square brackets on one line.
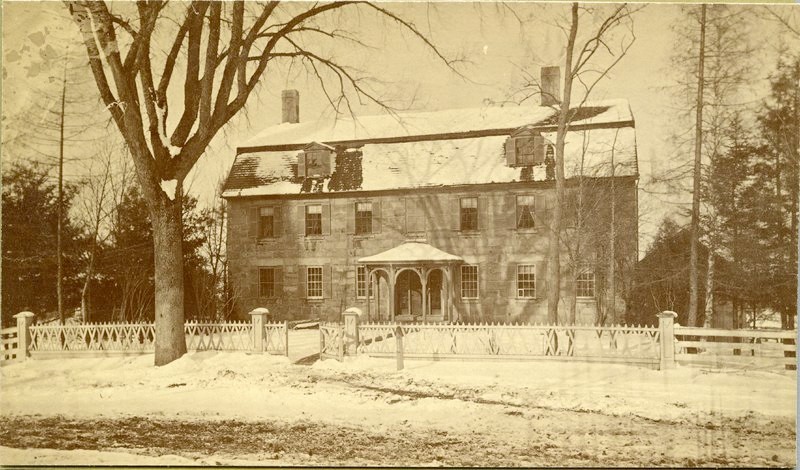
[(451, 397), (10, 456)]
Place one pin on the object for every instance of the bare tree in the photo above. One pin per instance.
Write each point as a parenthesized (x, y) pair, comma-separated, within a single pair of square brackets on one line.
[(225, 50)]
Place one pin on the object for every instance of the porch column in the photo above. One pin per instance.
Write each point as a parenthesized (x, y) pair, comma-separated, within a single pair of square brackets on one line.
[(369, 286), (450, 292), (424, 281), (391, 292), (377, 291)]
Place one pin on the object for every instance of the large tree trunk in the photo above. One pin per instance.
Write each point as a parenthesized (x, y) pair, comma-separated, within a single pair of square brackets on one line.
[(167, 239), (698, 146)]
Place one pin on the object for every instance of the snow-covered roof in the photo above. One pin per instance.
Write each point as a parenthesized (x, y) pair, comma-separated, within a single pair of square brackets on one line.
[(411, 252), (444, 148)]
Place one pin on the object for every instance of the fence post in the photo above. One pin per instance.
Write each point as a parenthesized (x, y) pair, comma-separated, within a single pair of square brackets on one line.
[(666, 327), (286, 336), (398, 341), (351, 317), (257, 316), (24, 321)]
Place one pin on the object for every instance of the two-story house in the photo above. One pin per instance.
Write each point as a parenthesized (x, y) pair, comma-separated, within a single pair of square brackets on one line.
[(436, 216)]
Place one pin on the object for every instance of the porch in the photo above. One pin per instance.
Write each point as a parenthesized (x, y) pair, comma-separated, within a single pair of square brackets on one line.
[(412, 282)]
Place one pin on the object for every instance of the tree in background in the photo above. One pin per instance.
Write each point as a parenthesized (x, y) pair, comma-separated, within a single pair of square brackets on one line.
[(29, 226)]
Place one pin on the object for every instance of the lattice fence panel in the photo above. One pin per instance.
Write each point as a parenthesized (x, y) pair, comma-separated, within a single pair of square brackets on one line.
[(235, 336), (93, 337), (275, 338), (331, 341)]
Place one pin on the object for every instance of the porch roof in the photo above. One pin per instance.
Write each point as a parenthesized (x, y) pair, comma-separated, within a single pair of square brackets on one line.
[(411, 252)]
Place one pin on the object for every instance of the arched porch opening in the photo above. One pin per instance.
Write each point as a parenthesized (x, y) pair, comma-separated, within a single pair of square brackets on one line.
[(408, 295)]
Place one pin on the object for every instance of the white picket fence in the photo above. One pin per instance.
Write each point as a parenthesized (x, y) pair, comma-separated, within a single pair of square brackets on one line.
[(634, 344)]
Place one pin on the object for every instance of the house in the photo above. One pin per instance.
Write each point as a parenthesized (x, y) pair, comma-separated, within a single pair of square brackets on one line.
[(436, 216)]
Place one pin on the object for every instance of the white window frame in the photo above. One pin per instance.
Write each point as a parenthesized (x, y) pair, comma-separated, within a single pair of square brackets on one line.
[(313, 209), (361, 291), (371, 221), (465, 280), (318, 279), (530, 270), (584, 282)]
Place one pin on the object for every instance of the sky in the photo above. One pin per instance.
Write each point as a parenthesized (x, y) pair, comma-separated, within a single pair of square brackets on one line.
[(499, 44)]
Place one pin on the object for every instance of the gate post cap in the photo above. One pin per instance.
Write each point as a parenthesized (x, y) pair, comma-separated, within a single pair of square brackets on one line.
[(24, 315), (667, 314), (353, 311), (259, 311)]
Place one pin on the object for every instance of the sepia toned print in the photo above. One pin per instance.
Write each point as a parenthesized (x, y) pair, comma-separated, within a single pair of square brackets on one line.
[(395, 234)]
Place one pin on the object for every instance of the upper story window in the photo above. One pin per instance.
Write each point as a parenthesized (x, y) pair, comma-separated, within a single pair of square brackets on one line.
[(526, 281), (469, 282), (314, 220), (584, 283), (525, 148), (363, 217), (266, 222), (469, 213), (525, 211), (316, 160)]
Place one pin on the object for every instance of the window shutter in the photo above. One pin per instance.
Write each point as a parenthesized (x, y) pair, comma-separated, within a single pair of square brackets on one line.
[(277, 221), (540, 209), (511, 276), (301, 164), (480, 202), (301, 219), (327, 281), (253, 285), (508, 211), (376, 216), (302, 273), (511, 152), (541, 280), (326, 219), (278, 277), (539, 149), (350, 215), (252, 222), (456, 213), (457, 283)]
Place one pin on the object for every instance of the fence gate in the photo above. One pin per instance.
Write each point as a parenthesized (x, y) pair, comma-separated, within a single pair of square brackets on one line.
[(331, 341)]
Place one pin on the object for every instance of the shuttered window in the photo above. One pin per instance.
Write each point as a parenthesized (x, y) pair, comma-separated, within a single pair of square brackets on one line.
[(469, 282), (266, 222), (314, 220), (469, 213), (525, 212), (314, 286), (526, 281), (363, 217)]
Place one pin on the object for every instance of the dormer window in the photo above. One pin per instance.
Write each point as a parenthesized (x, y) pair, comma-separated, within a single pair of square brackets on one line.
[(525, 149), (315, 161)]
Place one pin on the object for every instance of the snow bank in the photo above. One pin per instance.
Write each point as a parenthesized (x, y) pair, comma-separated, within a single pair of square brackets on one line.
[(10, 456)]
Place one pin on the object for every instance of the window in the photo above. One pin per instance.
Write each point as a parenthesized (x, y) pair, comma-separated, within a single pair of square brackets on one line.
[(525, 212), (362, 283), (549, 153), (314, 282), (526, 281), (469, 213), (314, 220), (469, 282), (266, 222), (525, 149), (363, 217), (584, 284), (266, 282)]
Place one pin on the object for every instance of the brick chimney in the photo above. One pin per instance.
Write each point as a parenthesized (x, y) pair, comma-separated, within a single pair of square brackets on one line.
[(551, 85), (291, 106)]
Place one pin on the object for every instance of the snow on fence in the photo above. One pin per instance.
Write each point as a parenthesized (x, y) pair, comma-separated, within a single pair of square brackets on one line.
[(522, 341), (751, 348), (10, 344)]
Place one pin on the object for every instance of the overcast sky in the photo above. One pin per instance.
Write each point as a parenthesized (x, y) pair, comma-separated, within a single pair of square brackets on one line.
[(498, 50)]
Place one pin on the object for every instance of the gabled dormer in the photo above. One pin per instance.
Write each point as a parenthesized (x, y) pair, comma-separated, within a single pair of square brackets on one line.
[(316, 160), (526, 147)]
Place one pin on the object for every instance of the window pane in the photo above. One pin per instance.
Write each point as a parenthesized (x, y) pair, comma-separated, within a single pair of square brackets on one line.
[(362, 283), (314, 282), (469, 213), (364, 206), (314, 220), (525, 207), (363, 217), (526, 281), (469, 202), (469, 282), (267, 211), (584, 284)]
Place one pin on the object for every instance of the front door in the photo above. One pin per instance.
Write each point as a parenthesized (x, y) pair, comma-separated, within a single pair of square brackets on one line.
[(408, 296)]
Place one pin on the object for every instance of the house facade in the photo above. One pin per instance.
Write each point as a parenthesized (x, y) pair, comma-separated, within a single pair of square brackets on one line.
[(440, 216)]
